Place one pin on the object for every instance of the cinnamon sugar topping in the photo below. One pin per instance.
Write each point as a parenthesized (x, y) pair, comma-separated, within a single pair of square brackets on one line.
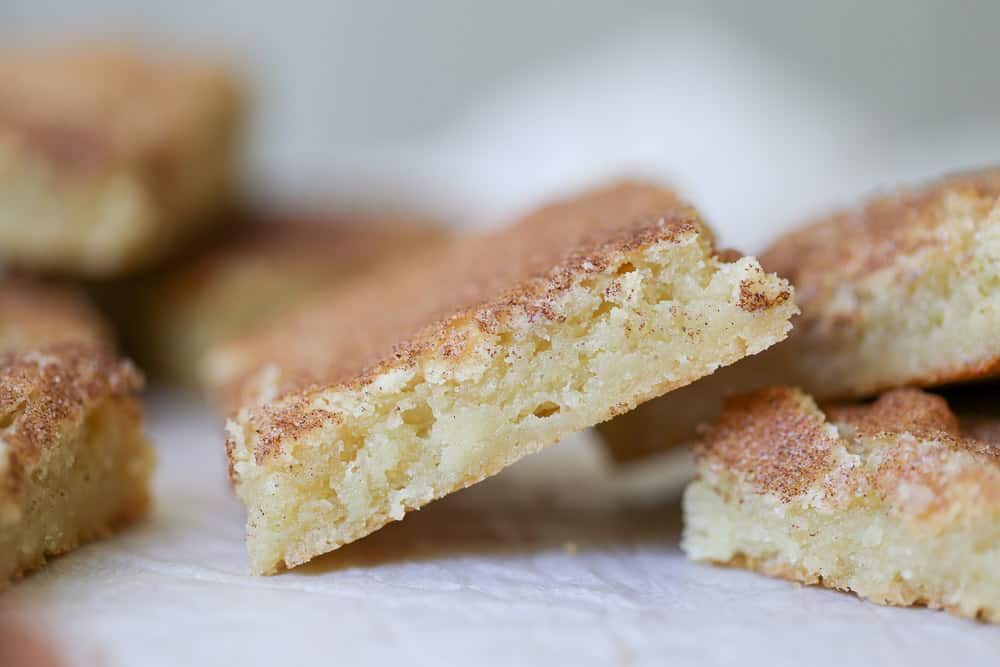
[(56, 362), (415, 307), (851, 245), (907, 447), (775, 438)]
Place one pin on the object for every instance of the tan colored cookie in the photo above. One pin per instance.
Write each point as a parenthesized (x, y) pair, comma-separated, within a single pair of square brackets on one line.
[(429, 377), (110, 158), (32, 314), (261, 269), (891, 500), (904, 291), (74, 463)]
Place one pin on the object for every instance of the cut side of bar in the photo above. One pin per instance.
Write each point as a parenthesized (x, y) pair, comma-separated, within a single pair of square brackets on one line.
[(444, 372), (896, 500)]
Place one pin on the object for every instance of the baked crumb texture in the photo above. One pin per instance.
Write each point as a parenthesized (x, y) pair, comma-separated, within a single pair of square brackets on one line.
[(904, 291), (74, 463), (891, 500), (431, 377), (108, 158), (262, 269)]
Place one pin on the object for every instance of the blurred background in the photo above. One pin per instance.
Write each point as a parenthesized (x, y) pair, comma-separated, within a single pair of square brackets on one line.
[(762, 113)]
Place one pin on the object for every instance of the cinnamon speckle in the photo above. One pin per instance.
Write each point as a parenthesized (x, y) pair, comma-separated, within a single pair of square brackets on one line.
[(56, 362), (888, 243), (781, 443), (426, 303), (776, 438), (441, 301), (289, 420), (753, 299)]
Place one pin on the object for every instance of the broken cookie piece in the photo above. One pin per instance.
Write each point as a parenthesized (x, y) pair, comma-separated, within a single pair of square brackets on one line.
[(892, 500), (74, 463)]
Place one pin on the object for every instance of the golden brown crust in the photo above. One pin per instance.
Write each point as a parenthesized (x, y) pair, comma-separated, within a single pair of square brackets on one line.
[(418, 306), (921, 415), (56, 362), (780, 443), (851, 245), (775, 438), (73, 462), (290, 419), (891, 241), (44, 389), (88, 108), (45, 386), (114, 157), (901, 411)]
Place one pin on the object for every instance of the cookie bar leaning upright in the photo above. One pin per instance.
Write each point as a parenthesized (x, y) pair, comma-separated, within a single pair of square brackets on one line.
[(74, 463), (897, 501), (109, 158), (431, 376)]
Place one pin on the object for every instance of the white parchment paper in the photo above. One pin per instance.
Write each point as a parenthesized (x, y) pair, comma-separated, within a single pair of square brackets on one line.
[(558, 560)]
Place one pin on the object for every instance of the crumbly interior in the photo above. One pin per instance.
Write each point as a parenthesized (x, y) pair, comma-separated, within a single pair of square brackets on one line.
[(103, 220), (91, 481), (931, 320), (861, 542), (656, 319)]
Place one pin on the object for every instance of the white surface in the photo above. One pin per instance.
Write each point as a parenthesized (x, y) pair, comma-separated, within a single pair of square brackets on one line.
[(555, 561)]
